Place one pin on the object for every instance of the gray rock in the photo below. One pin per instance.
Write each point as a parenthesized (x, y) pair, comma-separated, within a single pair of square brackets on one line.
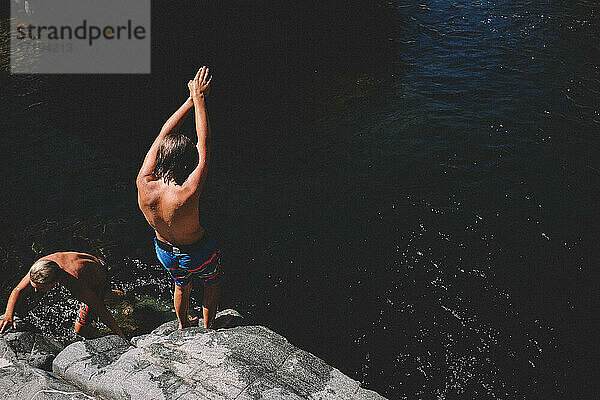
[(242, 362), (20, 381), (22, 354), (28, 347)]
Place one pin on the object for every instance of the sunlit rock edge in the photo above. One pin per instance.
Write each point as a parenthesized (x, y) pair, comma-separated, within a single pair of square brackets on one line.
[(238, 362)]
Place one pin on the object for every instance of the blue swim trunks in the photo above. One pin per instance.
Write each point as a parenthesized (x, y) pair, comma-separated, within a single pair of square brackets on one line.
[(201, 259)]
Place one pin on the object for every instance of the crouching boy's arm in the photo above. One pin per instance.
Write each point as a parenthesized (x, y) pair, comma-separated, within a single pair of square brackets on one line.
[(19, 290)]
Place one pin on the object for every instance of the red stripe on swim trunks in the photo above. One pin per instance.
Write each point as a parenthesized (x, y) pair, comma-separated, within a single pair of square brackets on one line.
[(204, 263), (200, 267), (213, 276), (194, 270)]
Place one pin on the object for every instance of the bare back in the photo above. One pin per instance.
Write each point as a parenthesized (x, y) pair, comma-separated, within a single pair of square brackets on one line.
[(85, 268), (172, 211), (169, 205)]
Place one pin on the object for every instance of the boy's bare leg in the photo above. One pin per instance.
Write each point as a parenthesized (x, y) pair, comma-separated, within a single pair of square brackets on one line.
[(87, 331), (181, 301), (210, 304), (81, 330)]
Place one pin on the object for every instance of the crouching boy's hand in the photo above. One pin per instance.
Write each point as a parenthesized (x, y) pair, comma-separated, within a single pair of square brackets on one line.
[(6, 322)]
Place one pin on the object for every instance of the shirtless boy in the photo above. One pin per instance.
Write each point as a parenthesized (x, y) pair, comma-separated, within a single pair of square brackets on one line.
[(82, 274), (169, 185)]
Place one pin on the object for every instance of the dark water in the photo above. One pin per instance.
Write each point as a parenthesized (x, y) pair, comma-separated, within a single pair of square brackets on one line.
[(409, 191)]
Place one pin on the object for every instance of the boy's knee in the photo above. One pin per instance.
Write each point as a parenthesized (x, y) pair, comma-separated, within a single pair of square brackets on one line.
[(81, 330), (78, 328)]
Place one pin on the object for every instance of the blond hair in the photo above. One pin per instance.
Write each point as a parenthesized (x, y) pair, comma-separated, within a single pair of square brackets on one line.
[(43, 271)]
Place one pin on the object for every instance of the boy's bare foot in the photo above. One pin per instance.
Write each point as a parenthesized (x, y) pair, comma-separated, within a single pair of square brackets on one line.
[(192, 321)]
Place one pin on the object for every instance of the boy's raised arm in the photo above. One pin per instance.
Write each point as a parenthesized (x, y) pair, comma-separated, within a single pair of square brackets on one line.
[(199, 87), (173, 123)]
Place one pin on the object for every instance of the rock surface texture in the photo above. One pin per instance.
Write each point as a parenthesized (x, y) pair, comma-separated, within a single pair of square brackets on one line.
[(241, 362), (31, 348), (25, 359), (23, 382)]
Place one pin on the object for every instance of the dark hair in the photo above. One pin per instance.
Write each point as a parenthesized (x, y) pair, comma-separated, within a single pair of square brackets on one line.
[(177, 157)]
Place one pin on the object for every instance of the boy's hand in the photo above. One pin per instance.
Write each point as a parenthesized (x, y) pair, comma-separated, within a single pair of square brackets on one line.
[(6, 322), (200, 85)]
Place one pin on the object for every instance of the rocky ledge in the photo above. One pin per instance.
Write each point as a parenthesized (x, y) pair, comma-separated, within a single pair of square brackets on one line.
[(240, 362)]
